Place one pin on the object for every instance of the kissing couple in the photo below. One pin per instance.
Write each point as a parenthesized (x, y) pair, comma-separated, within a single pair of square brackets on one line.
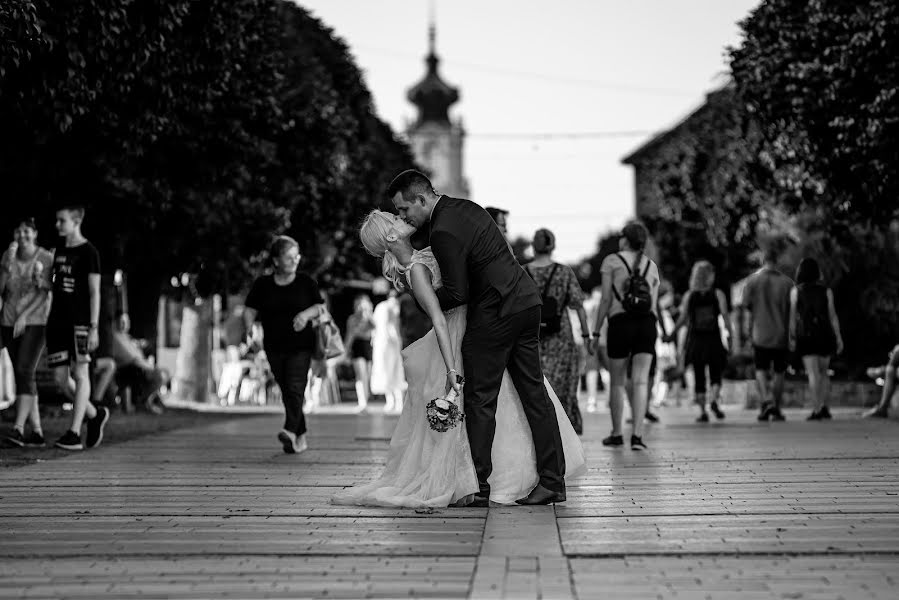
[(515, 443)]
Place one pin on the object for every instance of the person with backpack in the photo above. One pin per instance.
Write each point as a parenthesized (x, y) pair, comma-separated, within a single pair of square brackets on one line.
[(559, 353), (814, 332), (630, 289), (700, 311)]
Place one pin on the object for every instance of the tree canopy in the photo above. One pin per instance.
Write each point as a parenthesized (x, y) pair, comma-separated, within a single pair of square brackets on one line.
[(820, 81), (191, 131)]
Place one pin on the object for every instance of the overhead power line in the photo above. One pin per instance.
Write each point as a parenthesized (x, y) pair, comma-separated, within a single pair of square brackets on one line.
[(611, 86), (570, 135)]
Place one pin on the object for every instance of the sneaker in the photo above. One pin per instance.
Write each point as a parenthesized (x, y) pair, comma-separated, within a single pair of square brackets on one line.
[(34, 440), (765, 412), (637, 443), (776, 415), (716, 410), (16, 438), (95, 427), (69, 441), (613, 440), (824, 413), (651, 417), (288, 441), (300, 444), (703, 418)]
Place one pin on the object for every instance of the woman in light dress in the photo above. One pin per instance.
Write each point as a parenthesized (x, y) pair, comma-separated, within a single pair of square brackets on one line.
[(426, 468), (387, 361)]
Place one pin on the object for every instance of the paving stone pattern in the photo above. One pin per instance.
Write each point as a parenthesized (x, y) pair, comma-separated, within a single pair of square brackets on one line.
[(735, 509)]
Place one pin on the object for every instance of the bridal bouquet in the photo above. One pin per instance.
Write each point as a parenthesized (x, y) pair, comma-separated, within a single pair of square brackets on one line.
[(443, 413)]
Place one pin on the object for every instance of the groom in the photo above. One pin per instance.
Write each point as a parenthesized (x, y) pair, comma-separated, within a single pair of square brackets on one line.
[(503, 324)]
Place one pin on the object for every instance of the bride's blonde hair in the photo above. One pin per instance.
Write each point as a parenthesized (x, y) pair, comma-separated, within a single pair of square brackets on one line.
[(373, 235)]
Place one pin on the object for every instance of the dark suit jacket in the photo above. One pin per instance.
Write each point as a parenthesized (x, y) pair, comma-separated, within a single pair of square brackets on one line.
[(477, 266)]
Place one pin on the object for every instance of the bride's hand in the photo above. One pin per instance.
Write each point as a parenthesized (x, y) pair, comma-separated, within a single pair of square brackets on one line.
[(452, 382)]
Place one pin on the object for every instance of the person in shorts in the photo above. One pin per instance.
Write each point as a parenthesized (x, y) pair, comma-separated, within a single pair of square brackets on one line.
[(72, 327), (767, 298), (631, 335)]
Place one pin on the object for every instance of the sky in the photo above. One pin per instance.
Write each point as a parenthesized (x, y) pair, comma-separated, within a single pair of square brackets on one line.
[(553, 95)]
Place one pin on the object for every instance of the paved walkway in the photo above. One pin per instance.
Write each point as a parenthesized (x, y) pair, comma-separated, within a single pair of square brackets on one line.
[(733, 509)]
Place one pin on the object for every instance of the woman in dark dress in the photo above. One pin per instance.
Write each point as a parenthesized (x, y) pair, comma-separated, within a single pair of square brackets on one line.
[(287, 303), (702, 306), (814, 332)]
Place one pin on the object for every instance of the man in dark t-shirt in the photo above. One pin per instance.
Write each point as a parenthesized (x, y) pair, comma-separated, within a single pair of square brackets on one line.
[(277, 306), (72, 326)]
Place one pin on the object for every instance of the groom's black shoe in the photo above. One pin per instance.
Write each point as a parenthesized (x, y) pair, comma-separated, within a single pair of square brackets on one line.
[(478, 502), (540, 495)]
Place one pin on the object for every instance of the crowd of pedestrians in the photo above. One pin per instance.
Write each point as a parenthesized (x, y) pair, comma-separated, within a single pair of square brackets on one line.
[(52, 299)]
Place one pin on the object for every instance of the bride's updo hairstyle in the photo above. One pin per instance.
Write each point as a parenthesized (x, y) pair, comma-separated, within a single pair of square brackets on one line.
[(373, 235)]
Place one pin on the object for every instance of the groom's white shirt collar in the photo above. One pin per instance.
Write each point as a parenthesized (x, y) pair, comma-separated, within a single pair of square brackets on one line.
[(431, 214)]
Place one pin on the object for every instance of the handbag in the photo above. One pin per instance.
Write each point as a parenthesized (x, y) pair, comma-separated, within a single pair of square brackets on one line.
[(328, 343), (550, 313)]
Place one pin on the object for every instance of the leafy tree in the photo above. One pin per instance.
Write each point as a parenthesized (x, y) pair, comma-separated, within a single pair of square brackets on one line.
[(700, 178), (820, 79), (191, 131)]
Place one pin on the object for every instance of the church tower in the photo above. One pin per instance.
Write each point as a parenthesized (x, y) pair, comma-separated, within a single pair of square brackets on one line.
[(436, 141)]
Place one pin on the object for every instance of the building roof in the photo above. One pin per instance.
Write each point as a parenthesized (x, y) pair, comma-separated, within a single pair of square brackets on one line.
[(646, 151), (432, 95)]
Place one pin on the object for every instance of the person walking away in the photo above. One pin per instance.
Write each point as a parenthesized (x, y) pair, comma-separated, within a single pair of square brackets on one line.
[(287, 302), (814, 332), (359, 326), (595, 361), (630, 288), (560, 291), (766, 297), (703, 305), (25, 271), (72, 326)]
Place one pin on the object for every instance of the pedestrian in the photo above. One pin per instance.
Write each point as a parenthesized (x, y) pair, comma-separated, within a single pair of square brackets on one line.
[(72, 326), (890, 375), (359, 326), (387, 375), (702, 307), (814, 332), (500, 216), (766, 297), (25, 271), (630, 289), (594, 362), (560, 291), (287, 303)]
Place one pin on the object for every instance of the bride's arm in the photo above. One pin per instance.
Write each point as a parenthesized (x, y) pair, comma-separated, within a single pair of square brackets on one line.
[(427, 299)]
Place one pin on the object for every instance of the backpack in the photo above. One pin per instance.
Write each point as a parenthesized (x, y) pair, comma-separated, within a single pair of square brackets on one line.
[(705, 315), (550, 315), (637, 297)]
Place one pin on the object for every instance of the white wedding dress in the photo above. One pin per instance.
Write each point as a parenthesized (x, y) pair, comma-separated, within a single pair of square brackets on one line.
[(427, 468)]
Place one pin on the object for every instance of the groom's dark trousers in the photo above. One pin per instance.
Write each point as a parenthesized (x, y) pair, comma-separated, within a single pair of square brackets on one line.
[(502, 333)]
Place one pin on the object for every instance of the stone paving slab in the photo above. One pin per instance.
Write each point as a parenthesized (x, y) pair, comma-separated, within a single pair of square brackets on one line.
[(733, 509)]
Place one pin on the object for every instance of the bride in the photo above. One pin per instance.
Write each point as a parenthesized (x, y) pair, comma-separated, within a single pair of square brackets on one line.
[(429, 468)]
